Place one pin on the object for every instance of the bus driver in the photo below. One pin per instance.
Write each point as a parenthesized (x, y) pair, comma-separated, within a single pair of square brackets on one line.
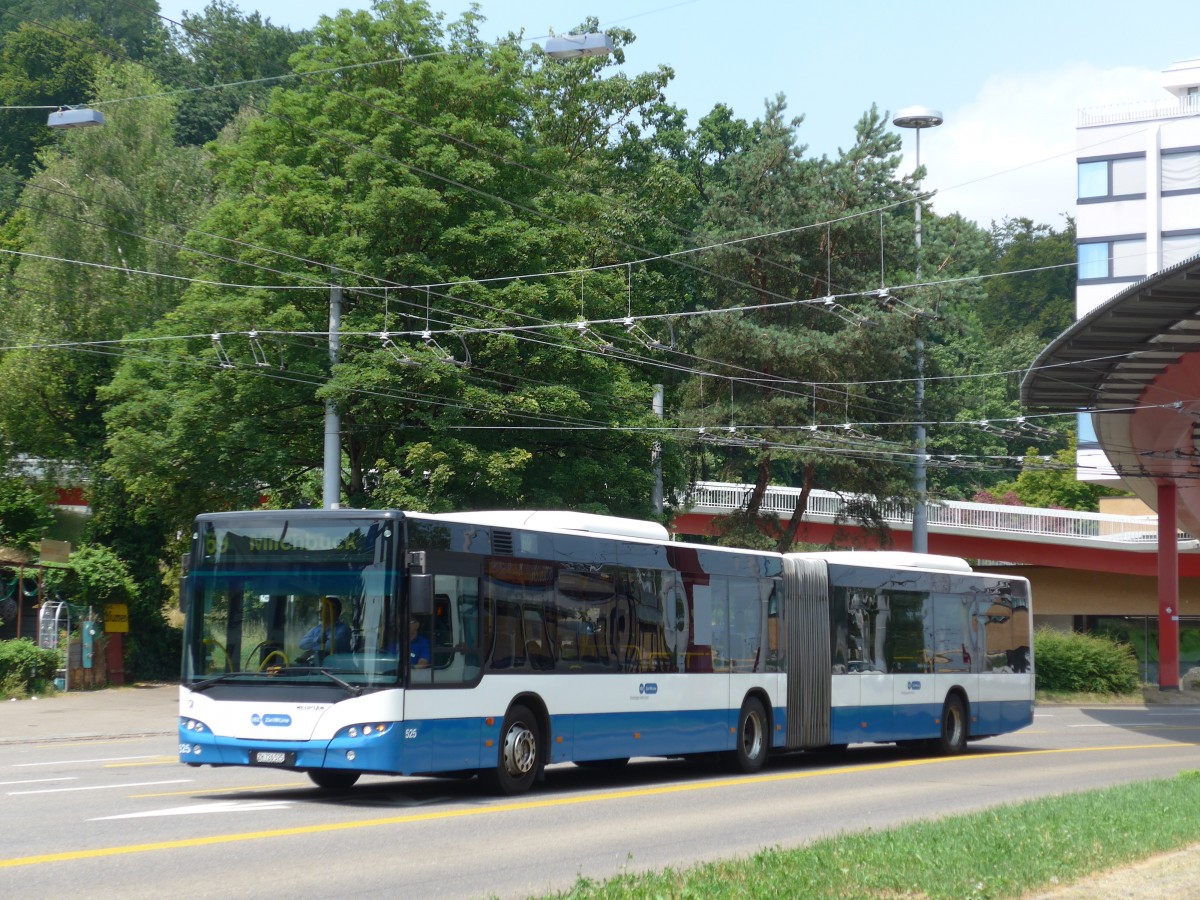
[(418, 646), (318, 637)]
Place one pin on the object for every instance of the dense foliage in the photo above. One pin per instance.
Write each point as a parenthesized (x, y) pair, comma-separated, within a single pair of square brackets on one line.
[(1049, 482), (24, 514), (523, 249), (1083, 663), (25, 668)]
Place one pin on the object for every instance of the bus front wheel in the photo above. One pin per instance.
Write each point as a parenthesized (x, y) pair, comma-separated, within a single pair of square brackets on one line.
[(953, 738), (518, 755), (750, 752)]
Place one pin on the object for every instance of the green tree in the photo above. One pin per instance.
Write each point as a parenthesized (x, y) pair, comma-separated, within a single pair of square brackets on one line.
[(24, 514), (98, 576), (41, 68), (224, 46), (1051, 483), (1039, 297), (149, 549), (816, 374), (108, 209), (133, 27), (456, 167)]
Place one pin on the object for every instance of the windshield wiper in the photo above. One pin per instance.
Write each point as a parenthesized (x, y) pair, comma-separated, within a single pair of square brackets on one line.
[(224, 676), (353, 689)]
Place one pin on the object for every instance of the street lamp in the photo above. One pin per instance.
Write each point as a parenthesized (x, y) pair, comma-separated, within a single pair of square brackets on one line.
[(572, 46), (75, 117), (918, 117)]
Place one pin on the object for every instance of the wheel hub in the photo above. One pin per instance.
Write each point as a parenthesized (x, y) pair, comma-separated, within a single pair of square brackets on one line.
[(520, 750)]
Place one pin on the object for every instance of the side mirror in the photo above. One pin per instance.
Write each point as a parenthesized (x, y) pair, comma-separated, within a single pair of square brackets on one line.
[(420, 594)]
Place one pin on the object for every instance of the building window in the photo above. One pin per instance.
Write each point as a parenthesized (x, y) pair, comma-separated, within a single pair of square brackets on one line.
[(1093, 261), (1181, 171), (1110, 179), (1093, 179), (1111, 260), (1178, 247)]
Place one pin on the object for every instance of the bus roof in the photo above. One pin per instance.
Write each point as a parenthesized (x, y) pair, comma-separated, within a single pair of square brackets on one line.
[(890, 559), (559, 520)]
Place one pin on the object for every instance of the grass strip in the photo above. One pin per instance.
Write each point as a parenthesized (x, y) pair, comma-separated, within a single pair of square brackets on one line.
[(1002, 852)]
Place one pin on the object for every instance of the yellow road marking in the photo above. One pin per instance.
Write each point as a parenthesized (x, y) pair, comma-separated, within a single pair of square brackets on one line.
[(549, 803), (157, 761)]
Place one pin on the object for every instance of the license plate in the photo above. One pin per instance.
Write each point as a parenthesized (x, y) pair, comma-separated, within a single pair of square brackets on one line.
[(271, 758)]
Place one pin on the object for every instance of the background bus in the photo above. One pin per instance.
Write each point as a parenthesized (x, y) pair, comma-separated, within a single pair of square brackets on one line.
[(344, 642)]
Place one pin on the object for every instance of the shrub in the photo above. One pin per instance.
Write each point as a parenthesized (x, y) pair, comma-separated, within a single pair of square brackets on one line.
[(1083, 663), (26, 667)]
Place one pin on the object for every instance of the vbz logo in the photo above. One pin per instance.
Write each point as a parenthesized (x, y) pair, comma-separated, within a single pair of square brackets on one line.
[(914, 685)]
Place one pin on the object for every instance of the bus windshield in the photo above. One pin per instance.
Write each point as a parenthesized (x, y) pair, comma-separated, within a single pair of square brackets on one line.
[(293, 600)]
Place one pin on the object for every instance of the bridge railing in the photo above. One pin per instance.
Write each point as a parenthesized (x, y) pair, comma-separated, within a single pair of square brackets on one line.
[(826, 506)]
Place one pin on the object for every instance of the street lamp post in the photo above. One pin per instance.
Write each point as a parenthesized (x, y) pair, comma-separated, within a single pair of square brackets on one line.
[(918, 117)]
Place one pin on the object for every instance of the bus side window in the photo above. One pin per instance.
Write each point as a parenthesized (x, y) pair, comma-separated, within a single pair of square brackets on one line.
[(442, 639), (537, 643), (508, 648)]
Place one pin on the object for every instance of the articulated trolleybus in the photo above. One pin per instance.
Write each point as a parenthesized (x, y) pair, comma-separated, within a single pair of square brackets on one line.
[(343, 642)]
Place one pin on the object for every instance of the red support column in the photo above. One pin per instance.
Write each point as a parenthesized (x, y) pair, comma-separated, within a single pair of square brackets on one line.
[(115, 657), (1168, 590)]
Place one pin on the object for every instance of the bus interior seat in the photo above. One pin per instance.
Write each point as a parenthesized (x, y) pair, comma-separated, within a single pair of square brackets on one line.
[(538, 658)]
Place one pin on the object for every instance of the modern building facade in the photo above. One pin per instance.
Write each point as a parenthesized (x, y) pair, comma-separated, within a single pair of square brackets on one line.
[(1134, 352), (1138, 209)]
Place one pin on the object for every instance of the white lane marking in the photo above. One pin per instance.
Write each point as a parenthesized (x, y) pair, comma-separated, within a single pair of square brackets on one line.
[(1119, 725), (40, 780), (222, 807), (99, 787), (68, 762)]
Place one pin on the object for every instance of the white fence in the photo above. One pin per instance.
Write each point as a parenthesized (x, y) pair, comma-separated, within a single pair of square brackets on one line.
[(1015, 522), (1120, 113)]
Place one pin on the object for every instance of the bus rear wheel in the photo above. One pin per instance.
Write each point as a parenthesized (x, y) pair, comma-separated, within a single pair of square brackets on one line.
[(953, 738), (333, 779), (750, 752), (518, 755)]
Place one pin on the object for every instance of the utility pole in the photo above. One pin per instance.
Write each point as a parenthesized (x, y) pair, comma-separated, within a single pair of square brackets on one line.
[(656, 499), (332, 493)]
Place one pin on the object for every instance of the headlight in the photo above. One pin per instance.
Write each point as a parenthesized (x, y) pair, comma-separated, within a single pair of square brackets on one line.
[(368, 730)]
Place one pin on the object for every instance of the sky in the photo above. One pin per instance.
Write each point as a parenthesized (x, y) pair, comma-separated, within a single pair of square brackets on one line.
[(1009, 78)]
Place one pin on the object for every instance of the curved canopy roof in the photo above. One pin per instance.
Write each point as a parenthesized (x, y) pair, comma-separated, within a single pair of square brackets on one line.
[(1137, 355)]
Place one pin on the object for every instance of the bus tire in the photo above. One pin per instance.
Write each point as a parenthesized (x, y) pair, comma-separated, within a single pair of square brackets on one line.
[(518, 756), (953, 737), (750, 749), (333, 779)]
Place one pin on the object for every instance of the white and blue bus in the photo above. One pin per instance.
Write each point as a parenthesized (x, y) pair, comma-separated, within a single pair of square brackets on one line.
[(343, 642)]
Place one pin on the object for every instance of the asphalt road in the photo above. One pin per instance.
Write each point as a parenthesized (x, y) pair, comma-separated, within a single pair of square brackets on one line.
[(101, 816)]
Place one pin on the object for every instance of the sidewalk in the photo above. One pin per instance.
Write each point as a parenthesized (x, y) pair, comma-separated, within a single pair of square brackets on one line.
[(134, 711)]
